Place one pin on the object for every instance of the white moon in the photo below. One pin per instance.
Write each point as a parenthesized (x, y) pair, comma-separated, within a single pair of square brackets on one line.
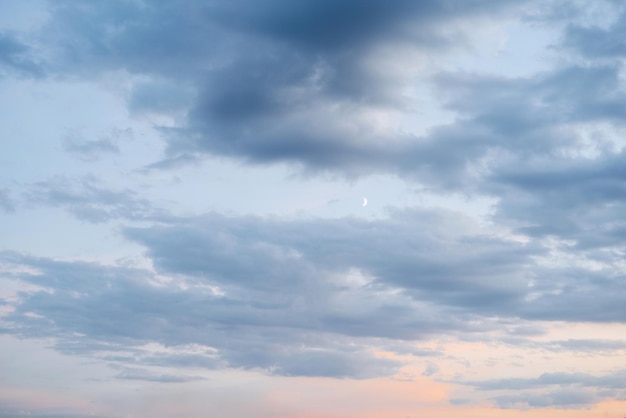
[(364, 201)]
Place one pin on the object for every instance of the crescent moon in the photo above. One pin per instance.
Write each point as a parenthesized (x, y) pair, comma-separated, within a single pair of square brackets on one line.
[(364, 201)]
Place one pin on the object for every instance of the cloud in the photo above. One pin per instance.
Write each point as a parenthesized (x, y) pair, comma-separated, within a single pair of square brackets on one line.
[(112, 312), (91, 150), (266, 255), (16, 56), (549, 152), (608, 381), (323, 362), (235, 96), (286, 296), (560, 390), (240, 97), (133, 373), (335, 87), (6, 203), (88, 200), (348, 23), (461, 270), (20, 413), (151, 32), (564, 398), (572, 199), (431, 370), (234, 279), (594, 41), (164, 96), (15, 410), (504, 125), (574, 345), (585, 345)]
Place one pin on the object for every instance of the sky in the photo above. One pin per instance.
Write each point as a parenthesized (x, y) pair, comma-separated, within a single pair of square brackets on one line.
[(182, 222)]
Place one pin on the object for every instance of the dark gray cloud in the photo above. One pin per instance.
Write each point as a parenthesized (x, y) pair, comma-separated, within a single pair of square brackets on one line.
[(543, 153), (506, 124), (302, 297), (411, 251), (278, 82), (274, 294), (95, 310), (298, 83), (282, 296), (190, 38), (576, 199), (424, 258), (324, 26), (517, 108)]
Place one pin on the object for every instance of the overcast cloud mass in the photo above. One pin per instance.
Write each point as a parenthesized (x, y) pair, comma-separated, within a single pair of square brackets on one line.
[(184, 231)]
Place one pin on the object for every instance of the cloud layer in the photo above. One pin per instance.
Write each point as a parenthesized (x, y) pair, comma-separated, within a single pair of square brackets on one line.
[(441, 97)]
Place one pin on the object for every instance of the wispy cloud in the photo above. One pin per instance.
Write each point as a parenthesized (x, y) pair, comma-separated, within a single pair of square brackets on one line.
[(6, 203), (89, 201)]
